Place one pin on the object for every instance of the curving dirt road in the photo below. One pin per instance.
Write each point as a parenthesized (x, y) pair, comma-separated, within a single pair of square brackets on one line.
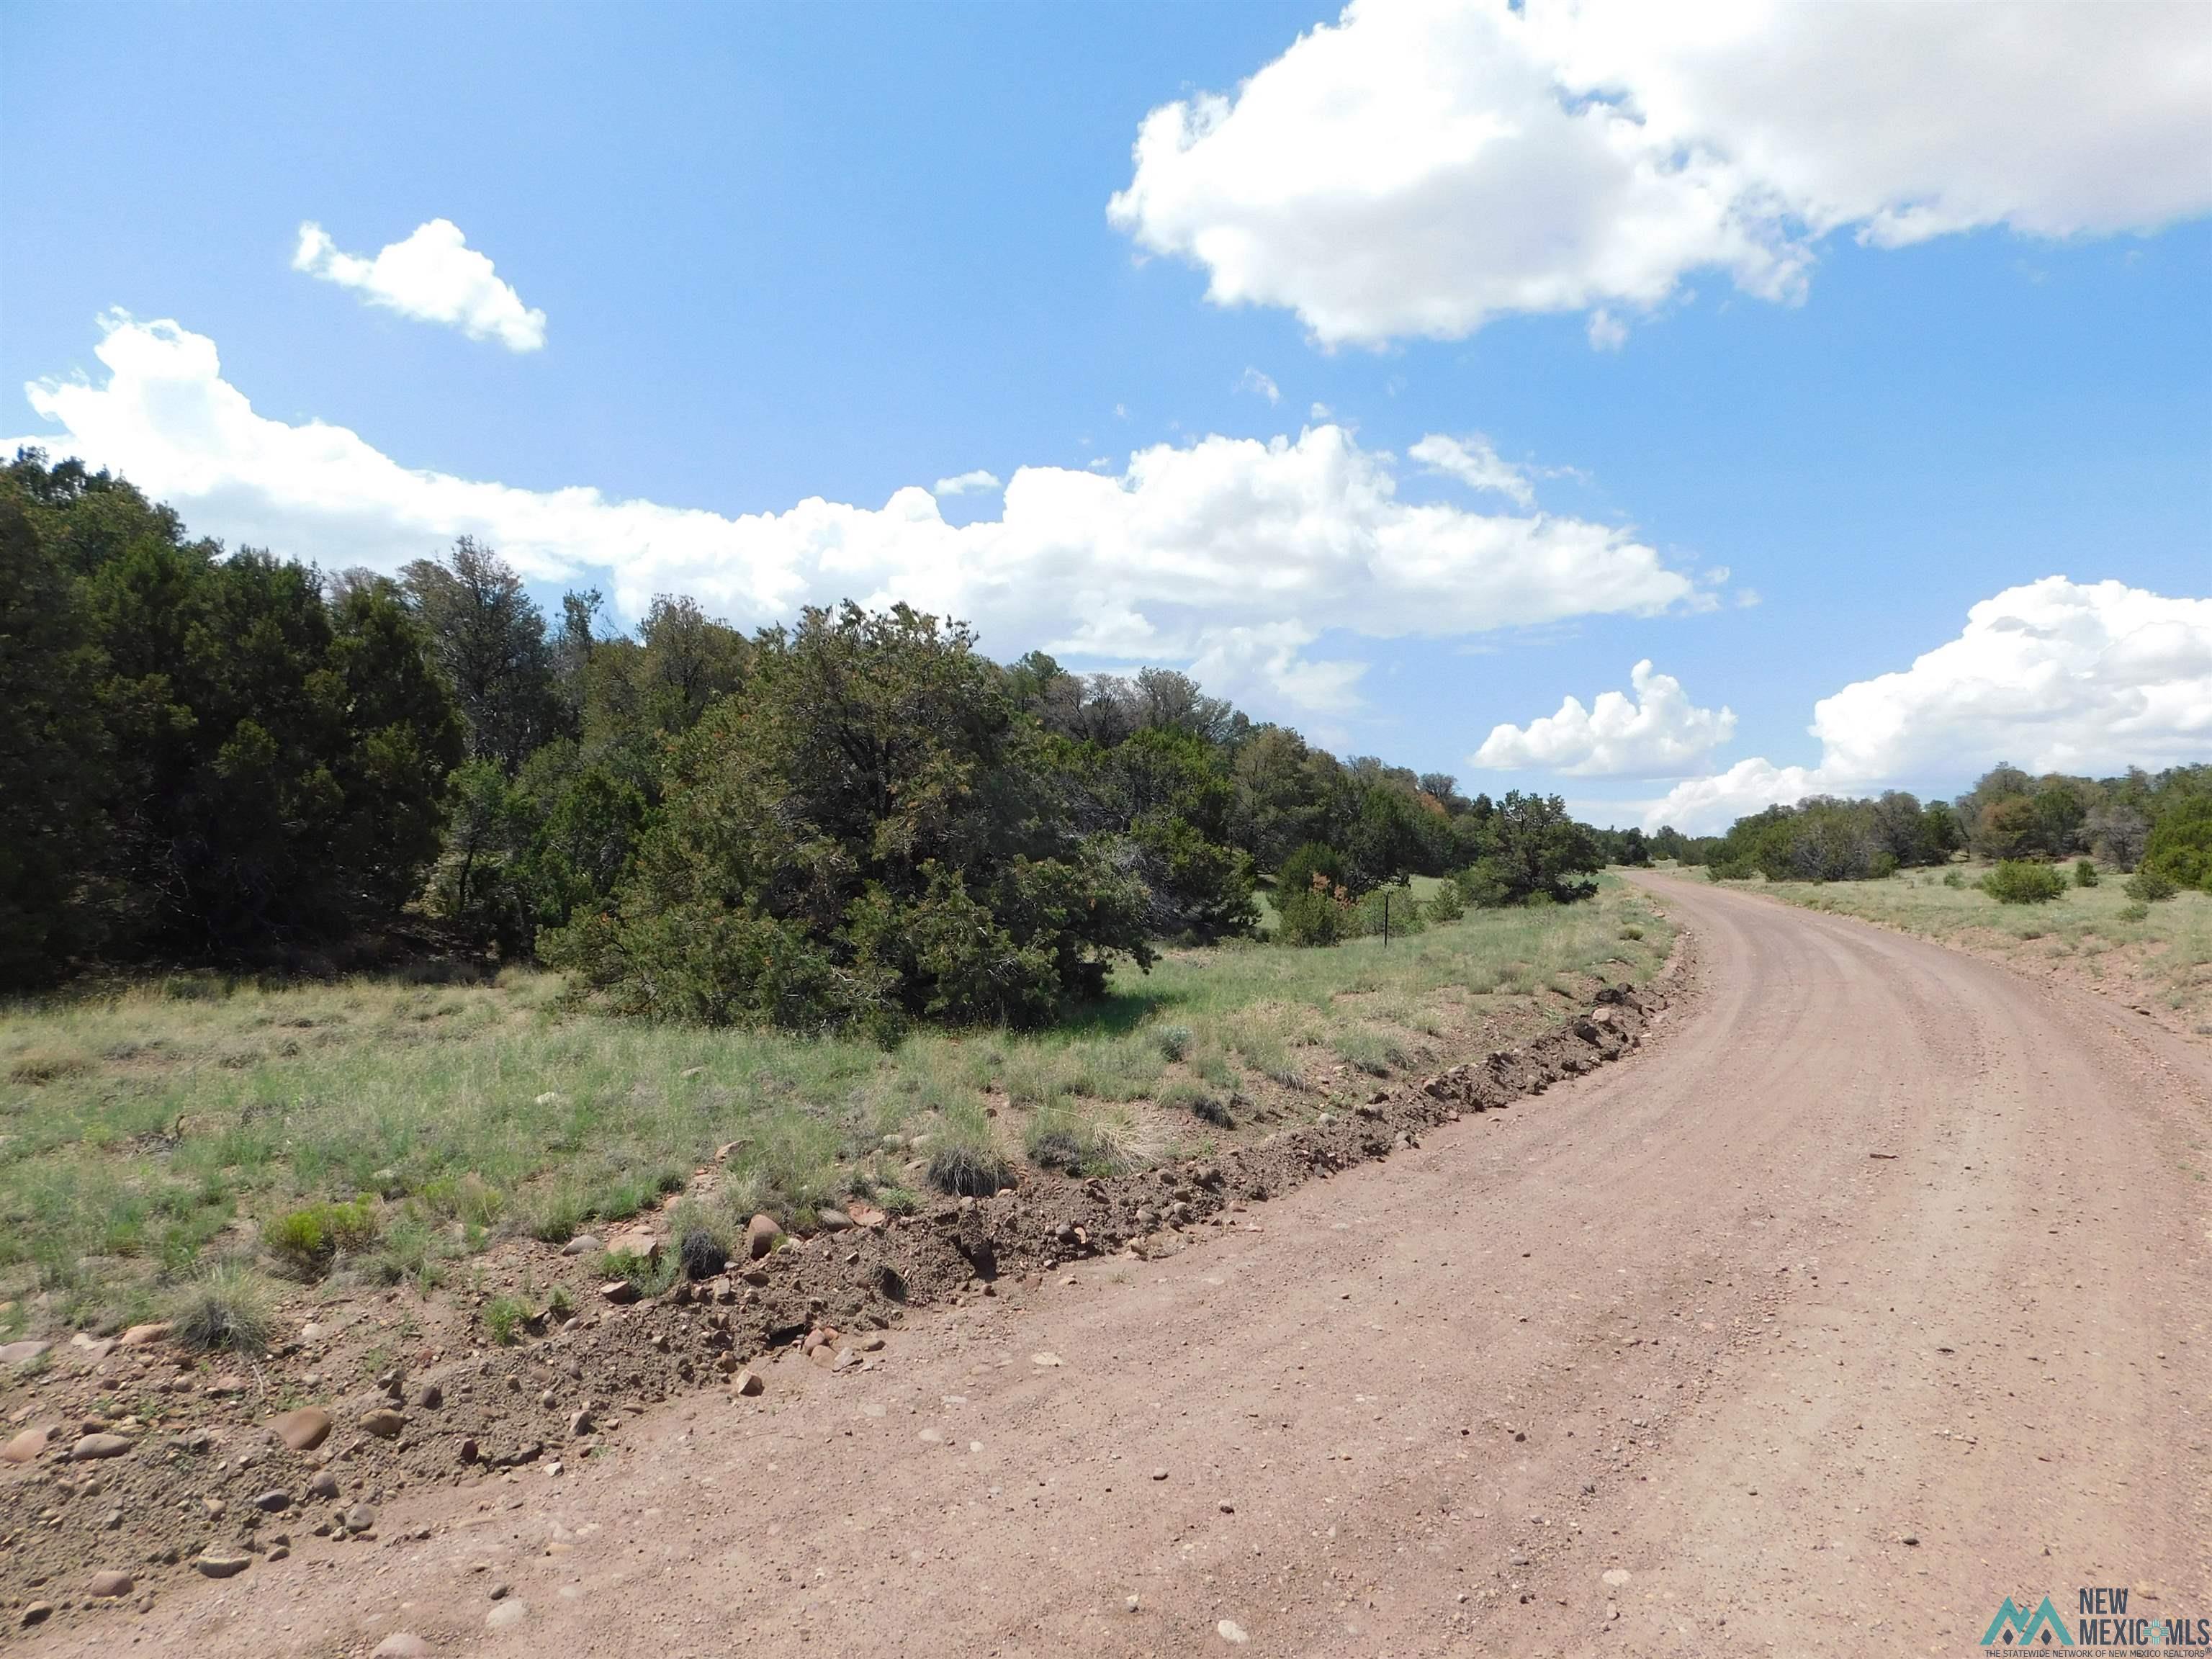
[(1873, 1291)]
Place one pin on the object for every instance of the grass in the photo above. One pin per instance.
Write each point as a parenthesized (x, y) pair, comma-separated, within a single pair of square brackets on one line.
[(379, 1131), (2162, 950)]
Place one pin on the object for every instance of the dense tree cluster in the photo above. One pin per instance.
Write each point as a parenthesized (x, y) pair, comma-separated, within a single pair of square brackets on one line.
[(856, 820), (2162, 822)]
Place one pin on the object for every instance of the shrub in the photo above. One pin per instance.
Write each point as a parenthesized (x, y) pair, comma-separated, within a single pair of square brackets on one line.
[(2150, 885), (2134, 912), (1313, 916), (2018, 881), (1173, 1041), (2180, 844), (504, 1316), (1445, 904), (228, 1310), (869, 834), (1730, 869), (1302, 864), (967, 1163), (2085, 872), (1631, 932), (307, 1238), (1953, 879), (703, 1254), (1404, 913), (652, 1275)]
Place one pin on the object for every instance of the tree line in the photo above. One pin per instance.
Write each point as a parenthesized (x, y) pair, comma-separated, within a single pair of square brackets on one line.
[(856, 819), (2157, 824)]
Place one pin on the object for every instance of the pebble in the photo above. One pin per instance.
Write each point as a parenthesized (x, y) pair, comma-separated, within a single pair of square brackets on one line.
[(37, 1613), (384, 1422), (402, 1644), (833, 1220), (324, 1485), (25, 1447), (274, 1501), (582, 1244), (360, 1518), (222, 1566), (1159, 1474), (303, 1429), (618, 1291), (22, 1353), (1616, 1577), (100, 1445), (1232, 1632), (1044, 1360), (139, 1335), (746, 1382), (109, 1584), (506, 1615)]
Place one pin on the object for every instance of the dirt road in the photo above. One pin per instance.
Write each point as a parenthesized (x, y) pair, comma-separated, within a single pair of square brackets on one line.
[(1873, 1291)]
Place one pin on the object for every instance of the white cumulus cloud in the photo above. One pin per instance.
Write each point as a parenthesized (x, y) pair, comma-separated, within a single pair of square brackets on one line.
[(2052, 675), (1421, 167), (1475, 464), (1232, 552), (1659, 733), (433, 276), (963, 482)]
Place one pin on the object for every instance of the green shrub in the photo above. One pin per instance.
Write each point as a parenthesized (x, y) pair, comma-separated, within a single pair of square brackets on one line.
[(1445, 904), (1173, 1041), (1302, 864), (227, 1310), (2150, 885), (2085, 872), (504, 1317), (1731, 869), (652, 1275), (1310, 917), (307, 1238), (869, 834), (2180, 844), (2134, 912), (2019, 881), (1955, 879), (1404, 913)]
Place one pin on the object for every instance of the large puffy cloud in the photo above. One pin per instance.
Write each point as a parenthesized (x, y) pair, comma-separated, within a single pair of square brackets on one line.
[(1424, 166), (2053, 675), (1659, 733), (1230, 553), (433, 276)]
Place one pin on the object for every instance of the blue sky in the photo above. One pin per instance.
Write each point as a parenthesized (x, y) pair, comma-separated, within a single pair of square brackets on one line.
[(838, 252)]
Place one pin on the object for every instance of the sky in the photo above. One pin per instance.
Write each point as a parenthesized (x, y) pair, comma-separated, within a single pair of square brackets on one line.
[(1680, 410)]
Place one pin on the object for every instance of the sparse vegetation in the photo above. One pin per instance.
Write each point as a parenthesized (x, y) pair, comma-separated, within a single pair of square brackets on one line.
[(477, 1110), (504, 1318)]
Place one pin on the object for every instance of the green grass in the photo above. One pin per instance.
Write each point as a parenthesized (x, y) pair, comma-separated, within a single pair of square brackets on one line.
[(379, 1130), (2166, 946)]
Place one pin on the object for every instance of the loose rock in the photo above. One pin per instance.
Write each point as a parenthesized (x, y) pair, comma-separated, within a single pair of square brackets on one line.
[(383, 1422), (401, 1644), (303, 1429), (100, 1445), (25, 1447), (1232, 1632), (222, 1566), (582, 1244), (106, 1586), (762, 1233)]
